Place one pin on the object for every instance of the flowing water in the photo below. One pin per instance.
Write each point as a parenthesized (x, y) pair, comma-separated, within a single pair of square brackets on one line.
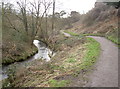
[(43, 53)]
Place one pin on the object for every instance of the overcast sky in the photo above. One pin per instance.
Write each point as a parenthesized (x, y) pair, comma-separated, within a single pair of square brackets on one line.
[(82, 6), (76, 5)]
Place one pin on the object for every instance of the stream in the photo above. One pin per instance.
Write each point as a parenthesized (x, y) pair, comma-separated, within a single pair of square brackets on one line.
[(44, 53)]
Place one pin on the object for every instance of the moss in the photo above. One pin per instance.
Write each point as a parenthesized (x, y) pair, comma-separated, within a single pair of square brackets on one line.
[(7, 61), (56, 83), (6, 83), (23, 57), (71, 60)]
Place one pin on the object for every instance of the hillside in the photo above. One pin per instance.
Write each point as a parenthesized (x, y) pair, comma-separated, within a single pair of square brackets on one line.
[(101, 20), (68, 38)]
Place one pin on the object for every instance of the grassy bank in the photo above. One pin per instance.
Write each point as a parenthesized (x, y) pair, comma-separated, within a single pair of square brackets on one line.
[(16, 46), (71, 33), (110, 36), (114, 39), (22, 57), (74, 56), (92, 53)]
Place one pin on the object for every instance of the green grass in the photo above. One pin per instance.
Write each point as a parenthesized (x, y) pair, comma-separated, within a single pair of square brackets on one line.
[(68, 64), (56, 83), (112, 35), (93, 51), (79, 36), (91, 55), (71, 33), (114, 39), (71, 60), (91, 34)]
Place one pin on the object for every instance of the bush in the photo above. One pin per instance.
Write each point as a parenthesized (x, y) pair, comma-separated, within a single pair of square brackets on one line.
[(98, 13)]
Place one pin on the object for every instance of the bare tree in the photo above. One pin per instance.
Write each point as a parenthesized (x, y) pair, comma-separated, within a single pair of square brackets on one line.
[(23, 10), (6, 11), (37, 18), (53, 16), (48, 38)]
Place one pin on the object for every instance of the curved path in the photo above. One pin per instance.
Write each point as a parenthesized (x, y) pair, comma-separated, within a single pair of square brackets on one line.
[(105, 73)]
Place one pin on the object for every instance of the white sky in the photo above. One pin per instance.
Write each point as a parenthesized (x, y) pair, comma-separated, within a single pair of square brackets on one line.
[(76, 5), (69, 5)]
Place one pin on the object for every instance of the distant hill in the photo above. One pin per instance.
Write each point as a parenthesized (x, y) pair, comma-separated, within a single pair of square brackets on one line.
[(102, 19)]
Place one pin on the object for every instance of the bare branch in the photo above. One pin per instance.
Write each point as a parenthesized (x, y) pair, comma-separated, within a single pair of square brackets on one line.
[(42, 18), (22, 6), (12, 26), (19, 17)]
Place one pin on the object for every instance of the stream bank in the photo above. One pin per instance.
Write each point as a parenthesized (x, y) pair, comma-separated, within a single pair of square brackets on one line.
[(43, 53), (67, 63)]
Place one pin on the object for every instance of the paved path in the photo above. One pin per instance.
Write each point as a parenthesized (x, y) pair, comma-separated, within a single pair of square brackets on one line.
[(65, 34), (106, 68)]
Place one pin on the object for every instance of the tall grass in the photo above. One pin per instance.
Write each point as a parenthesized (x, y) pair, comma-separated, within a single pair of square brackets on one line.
[(92, 53)]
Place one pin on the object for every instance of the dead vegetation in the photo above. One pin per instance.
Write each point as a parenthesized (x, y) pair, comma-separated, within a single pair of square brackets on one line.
[(70, 50), (66, 66), (40, 74), (101, 19)]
